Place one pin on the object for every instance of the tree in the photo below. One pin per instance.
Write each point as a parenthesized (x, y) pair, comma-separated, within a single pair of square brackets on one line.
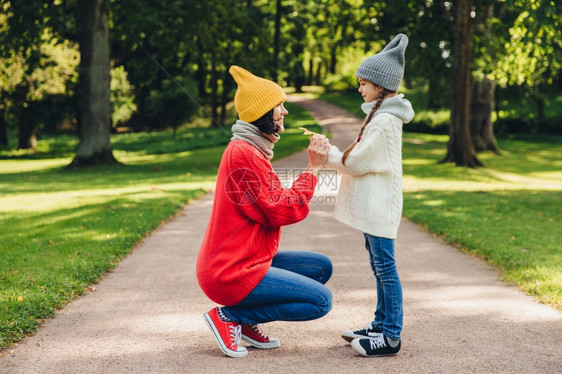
[(482, 104), (532, 56), (295, 29), (94, 128), (3, 129), (429, 26), (199, 43), (482, 98), (276, 39), (460, 149), (37, 64), (19, 44)]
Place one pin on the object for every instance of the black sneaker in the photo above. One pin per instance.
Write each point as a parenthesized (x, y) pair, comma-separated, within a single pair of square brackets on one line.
[(367, 332), (375, 346)]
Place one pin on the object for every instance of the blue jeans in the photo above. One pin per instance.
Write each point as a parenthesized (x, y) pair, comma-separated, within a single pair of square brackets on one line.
[(389, 312), (292, 290)]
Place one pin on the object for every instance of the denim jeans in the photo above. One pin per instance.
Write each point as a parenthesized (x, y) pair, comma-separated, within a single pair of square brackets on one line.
[(389, 312), (292, 290)]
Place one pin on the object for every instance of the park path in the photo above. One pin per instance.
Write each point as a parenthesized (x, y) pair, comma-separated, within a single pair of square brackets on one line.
[(146, 315)]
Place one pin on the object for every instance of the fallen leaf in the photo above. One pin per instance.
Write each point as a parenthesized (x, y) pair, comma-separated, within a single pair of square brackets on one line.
[(307, 131)]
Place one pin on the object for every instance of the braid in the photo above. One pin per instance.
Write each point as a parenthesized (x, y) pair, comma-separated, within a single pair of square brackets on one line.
[(376, 107)]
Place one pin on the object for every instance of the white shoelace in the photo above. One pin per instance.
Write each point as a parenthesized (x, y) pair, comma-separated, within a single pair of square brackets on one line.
[(369, 326), (235, 333), (257, 330), (377, 341)]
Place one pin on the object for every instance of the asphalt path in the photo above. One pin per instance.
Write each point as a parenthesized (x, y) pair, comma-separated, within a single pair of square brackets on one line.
[(146, 315)]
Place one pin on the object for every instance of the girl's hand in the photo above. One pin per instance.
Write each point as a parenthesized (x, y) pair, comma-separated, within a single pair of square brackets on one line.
[(318, 152)]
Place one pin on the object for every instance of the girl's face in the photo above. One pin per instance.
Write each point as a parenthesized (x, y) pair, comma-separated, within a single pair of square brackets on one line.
[(278, 113), (368, 90)]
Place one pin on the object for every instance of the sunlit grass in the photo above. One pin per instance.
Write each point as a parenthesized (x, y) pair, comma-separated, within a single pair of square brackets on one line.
[(62, 229), (508, 212), (521, 166), (19, 166)]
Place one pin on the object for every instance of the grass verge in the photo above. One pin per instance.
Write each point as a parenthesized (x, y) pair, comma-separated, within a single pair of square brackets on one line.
[(61, 230), (507, 213)]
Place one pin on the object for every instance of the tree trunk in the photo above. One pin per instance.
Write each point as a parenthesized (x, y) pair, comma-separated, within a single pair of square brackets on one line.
[(214, 89), (318, 75), (276, 40), (481, 109), (3, 130), (540, 100), (482, 101), (460, 149), (95, 108), (298, 69), (310, 77), (200, 73), (333, 59), (226, 88), (26, 130), (433, 101)]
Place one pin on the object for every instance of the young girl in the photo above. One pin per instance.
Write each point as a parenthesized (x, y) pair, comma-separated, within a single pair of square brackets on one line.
[(370, 196)]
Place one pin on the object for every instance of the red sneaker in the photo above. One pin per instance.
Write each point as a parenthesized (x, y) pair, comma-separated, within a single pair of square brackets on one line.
[(252, 334), (227, 334)]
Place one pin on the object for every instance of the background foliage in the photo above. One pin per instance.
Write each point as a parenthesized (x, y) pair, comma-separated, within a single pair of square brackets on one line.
[(171, 59)]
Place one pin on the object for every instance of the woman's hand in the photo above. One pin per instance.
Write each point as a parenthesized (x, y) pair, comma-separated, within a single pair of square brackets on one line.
[(318, 152)]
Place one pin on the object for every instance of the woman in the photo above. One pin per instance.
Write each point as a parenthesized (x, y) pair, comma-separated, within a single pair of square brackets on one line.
[(239, 265)]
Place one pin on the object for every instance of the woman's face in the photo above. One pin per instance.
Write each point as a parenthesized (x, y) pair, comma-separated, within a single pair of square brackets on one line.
[(278, 113), (368, 90)]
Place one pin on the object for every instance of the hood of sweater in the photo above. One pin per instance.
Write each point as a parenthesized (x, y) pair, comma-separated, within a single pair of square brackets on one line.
[(395, 105)]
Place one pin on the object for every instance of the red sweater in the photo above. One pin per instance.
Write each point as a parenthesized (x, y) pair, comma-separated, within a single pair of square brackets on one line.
[(244, 229)]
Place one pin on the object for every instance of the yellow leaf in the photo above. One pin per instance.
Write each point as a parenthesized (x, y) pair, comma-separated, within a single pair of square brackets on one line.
[(307, 131)]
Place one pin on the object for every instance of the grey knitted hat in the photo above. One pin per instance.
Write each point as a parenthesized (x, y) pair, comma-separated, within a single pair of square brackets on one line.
[(386, 68)]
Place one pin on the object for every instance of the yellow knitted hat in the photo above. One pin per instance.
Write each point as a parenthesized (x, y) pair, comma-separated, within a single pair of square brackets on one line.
[(255, 96)]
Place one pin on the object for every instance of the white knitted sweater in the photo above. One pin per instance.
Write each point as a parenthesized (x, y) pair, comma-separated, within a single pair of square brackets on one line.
[(370, 194)]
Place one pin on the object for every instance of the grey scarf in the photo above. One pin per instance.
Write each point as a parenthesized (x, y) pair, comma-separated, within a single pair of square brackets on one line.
[(251, 134)]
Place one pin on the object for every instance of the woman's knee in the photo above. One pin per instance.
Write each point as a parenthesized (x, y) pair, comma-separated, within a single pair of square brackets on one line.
[(325, 302), (327, 267)]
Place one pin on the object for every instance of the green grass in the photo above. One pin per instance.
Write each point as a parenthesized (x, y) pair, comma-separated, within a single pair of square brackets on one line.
[(62, 229), (507, 213)]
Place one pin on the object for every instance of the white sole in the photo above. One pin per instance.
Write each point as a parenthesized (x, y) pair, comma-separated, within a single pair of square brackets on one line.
[(361, 351), (350, 336), (271, 345), (222, 346)]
